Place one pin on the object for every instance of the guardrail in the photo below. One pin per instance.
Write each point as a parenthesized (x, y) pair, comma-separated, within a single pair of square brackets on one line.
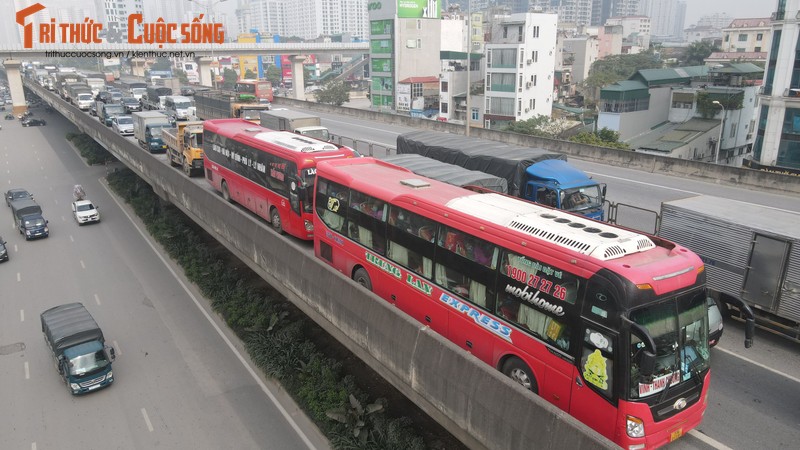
[(475, 403)]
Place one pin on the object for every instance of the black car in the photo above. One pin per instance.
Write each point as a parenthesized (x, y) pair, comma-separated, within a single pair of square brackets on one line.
[(31, 122), (16, 194), (187, 91), (104, 96)]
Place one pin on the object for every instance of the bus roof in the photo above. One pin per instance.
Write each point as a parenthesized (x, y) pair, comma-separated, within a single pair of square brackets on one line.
[(621, 248), (288, 142)]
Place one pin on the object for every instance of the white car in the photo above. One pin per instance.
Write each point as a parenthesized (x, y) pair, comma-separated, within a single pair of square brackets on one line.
[(85, 211), (123, 125)]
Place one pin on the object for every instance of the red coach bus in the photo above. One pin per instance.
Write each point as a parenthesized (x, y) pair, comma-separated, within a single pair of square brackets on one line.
[(260, 89), (607, 324), (271, 173)]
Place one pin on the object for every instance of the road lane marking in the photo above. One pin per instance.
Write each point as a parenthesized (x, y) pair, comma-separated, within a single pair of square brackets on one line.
[(117, 351), (83, 266), (755, 363), (147, 420), (19, 276), (33, 445), (63, 219), (71, 239), (27, 371), (97, 299), (708, 440), (219, 331), (22, 315)]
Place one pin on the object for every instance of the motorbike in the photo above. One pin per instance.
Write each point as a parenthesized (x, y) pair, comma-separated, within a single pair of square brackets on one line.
[(9, 116)]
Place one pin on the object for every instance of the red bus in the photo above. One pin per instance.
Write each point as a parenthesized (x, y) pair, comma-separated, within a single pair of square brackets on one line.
[(271, 173), (607, 324), (262, 90)]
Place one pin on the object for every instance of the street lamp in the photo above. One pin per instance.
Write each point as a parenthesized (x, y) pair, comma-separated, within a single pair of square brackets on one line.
[(209, 7), (721, 127)]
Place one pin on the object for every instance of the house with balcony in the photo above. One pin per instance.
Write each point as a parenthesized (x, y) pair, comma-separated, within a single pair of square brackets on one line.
[(520, 62)]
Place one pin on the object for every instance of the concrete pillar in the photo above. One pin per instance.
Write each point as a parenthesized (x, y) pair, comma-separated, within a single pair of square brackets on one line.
[(204, 69), (137, 67), (298, 83), (15, 85)]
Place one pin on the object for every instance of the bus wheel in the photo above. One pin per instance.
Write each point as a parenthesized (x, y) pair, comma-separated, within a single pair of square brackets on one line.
[(225, 193), (275, 217), (518, 371), (362, 277)]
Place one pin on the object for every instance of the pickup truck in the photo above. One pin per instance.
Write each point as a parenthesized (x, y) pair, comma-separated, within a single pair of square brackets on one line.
[(78, 347), (84, 211)]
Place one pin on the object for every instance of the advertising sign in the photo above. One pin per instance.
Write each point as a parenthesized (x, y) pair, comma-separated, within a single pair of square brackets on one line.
[(418, 9)]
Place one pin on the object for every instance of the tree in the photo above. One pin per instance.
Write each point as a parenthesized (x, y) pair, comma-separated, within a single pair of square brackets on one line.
[(250, 75), (540, 125), (162, 64), (602, 138), (335, 93), (697, 52), (229, 78), (181, 74), (615, 68), (274, 75)]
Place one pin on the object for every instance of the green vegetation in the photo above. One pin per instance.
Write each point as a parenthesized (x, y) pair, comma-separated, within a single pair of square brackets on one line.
[(93, 152), (335, 93), (697, 52), (278, 337), (602, 138), (540, 125), (619, 67)]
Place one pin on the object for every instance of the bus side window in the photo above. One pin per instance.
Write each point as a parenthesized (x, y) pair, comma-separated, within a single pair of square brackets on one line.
[(405, 244), (331, 204), (597, 360), (366, 221)]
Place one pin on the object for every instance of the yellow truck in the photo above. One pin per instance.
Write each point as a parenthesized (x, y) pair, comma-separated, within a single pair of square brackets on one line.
[(185, 146)]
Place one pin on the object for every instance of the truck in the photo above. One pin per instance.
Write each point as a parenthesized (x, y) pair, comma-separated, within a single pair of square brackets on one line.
[(61, 80), (296, 122), (154, 97), (107, 111), (533, 174), (448, 173), (28, 219), (219, 104), (751, 255), (147, 128), (185, 146), (177, 107), (78, 347), (80, 95)]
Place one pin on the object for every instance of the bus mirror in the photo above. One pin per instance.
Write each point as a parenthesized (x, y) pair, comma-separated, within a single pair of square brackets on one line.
[(647, 363), (749, 331)]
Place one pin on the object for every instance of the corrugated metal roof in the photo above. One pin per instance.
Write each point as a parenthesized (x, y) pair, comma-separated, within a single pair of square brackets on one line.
[(626, 85), (673, 75)]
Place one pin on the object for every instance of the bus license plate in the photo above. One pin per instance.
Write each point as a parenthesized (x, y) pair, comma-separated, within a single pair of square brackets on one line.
[(675, 435)]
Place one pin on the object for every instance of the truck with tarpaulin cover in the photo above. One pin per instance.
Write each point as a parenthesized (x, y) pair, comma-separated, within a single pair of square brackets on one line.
[(534, 174), (448, 173), (219, 104), (78, 347)]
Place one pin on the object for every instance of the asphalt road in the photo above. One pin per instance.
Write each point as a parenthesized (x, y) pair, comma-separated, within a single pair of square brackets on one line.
[(753, 397), (179, 382)]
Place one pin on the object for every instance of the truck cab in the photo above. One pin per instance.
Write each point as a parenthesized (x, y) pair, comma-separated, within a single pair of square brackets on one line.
[(177, 107), (33, 226), (556, 183)]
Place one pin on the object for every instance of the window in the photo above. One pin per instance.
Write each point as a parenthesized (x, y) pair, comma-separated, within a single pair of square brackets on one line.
[(474, 114), (444, 108), (465, 265), (536, 31), (520, 34), (411, 231), (332, 201), (444, 86), (597, 360), (759, 36), (365, 221), (535, 56), (505, 32), (742, 38)]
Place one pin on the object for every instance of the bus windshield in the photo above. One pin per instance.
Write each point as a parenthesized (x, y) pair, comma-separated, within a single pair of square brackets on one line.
[(680, 331)]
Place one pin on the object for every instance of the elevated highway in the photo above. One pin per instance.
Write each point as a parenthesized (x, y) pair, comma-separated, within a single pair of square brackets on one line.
[(475, 403)]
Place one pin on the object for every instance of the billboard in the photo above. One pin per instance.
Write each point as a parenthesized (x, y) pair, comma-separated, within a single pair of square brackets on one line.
[(418, 9)]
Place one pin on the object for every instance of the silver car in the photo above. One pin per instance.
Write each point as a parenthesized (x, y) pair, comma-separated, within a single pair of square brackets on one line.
[(122, 125)]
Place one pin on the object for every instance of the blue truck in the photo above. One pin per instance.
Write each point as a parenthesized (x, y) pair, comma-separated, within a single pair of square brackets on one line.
[(78, 346), (533, 174)]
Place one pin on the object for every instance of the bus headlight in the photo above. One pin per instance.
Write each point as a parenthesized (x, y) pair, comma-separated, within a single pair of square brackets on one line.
[(309, 225), (635, 427)]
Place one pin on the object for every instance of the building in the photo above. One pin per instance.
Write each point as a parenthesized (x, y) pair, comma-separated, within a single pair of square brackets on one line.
[(113, 14), (667, 18), (635, 32), (747, 35), (602, 10), (683, 112), (405, 44), (701, 33), (520, 62), (454, 78), (580, 53), (610, 41), (777, 143), (306, 19)]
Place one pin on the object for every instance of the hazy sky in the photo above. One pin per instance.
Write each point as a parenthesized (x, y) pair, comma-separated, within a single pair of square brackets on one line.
[(734, 8)]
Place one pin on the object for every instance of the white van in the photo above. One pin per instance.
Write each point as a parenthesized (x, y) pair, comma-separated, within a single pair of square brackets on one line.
[(177, 107)]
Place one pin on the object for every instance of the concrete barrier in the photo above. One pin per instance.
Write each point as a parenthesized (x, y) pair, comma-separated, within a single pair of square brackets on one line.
[(477, 404), (714, 173)]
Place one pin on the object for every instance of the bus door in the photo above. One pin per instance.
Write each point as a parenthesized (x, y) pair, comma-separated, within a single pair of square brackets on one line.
[(594, 396)]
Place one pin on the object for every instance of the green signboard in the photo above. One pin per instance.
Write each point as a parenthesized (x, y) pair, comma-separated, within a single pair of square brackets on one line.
[(380, 27), (380, 46), (418, 9), (382, 65)]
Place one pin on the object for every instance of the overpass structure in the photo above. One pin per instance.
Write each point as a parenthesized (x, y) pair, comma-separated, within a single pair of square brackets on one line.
[(474, 402), (12, 56)]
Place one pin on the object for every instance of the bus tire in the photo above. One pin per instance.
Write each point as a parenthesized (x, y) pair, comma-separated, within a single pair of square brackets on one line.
[(519, 372), (362, 277), (226, 194), (275, 219)]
